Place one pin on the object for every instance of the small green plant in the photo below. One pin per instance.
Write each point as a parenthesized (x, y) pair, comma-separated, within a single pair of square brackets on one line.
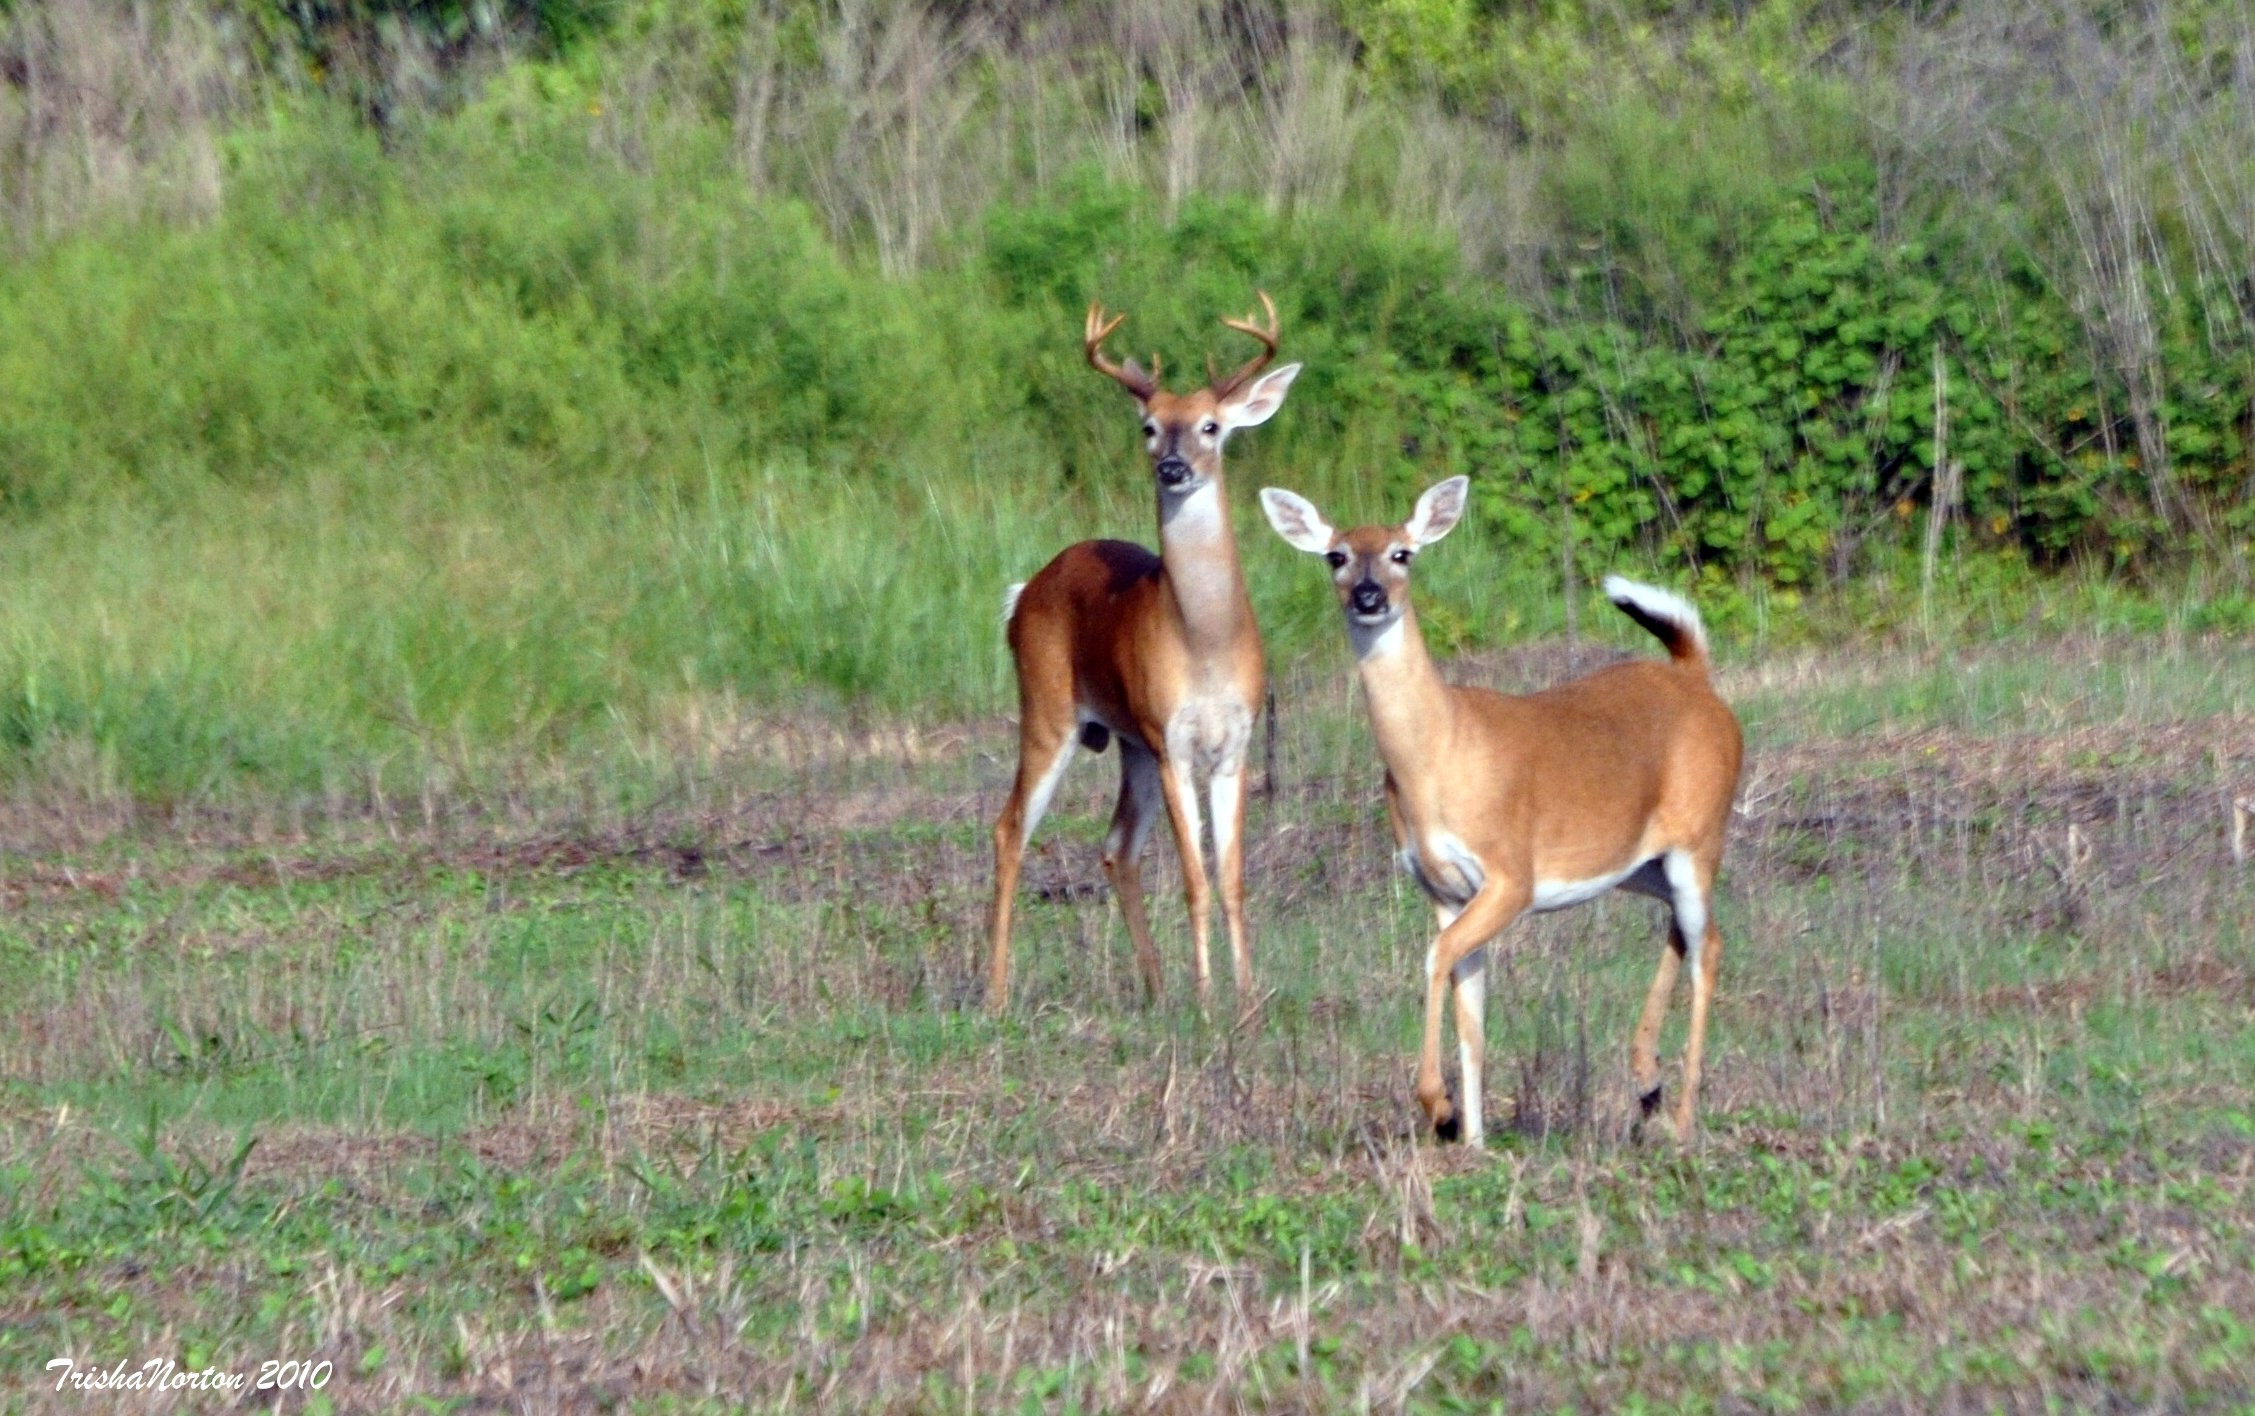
[(185, 1192)]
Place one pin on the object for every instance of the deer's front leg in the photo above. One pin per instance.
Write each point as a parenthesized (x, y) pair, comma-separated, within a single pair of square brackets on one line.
[(1227, 790), (1182, 813), (1489, 912)]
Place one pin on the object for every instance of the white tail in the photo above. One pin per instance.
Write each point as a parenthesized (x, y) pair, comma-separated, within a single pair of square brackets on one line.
[(1010, 594), (1159, 651), (1669, 616), (1503, 806)]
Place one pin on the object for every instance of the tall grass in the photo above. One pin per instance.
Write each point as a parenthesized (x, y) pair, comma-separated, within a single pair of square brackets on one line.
[(290, 634), (297, 637), (111, 110)]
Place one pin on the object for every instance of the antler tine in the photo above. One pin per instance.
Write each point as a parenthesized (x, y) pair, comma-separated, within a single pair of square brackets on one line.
[(1224, 387), (1098, 329), (1130, 375)]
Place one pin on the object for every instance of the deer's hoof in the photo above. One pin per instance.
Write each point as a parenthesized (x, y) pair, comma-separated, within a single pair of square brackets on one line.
[(1448, 1127)]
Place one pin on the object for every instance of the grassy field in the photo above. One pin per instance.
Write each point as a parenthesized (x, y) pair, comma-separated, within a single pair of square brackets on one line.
[(534, 1100)]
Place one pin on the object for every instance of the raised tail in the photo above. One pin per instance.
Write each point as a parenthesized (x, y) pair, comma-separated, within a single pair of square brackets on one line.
[(1669, 616), (1010, 594)]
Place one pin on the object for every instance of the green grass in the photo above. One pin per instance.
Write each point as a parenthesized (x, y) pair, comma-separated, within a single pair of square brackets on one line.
[(279, 637), (337, 635), (1996, 691), (635, 1097)]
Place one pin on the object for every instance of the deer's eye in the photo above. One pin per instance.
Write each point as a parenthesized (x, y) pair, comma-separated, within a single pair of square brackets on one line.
[(1401, 557), (1209, 427), (1150, 430), (1336, 558)]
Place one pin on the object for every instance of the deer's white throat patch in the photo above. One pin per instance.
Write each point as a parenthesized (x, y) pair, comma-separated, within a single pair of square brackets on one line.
[(1375, 641), (1194, 515)]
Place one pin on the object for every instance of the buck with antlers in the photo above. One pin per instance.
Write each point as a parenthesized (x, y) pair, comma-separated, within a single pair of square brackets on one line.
[(1157, 651), (1504, 805)]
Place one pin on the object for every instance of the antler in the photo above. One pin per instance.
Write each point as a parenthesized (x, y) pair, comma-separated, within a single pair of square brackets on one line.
[(1131, 375), (1223, 388)]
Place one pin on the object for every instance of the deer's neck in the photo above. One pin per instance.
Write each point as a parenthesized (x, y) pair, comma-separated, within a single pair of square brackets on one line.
[(1200, 553), (1410, 711)]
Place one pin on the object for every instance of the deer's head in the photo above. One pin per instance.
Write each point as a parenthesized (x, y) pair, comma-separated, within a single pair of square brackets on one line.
[(1184, 432), (1370, 564)]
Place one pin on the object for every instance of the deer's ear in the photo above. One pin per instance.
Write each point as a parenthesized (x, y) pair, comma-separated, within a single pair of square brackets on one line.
[(1438, 510), (1296, 519), (1258, 401)]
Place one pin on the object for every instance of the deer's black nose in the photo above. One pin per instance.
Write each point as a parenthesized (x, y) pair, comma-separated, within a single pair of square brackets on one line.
[(1367, 598), (1173, 471)]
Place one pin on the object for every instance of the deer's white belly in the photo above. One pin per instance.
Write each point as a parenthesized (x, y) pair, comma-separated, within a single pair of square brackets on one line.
[(1560, 894), (1448, 871)]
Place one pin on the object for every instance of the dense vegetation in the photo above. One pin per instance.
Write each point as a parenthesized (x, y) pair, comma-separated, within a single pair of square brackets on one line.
[(386, 379)]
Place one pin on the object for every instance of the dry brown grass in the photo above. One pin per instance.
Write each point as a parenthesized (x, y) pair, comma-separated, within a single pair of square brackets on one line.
[(110, 108)]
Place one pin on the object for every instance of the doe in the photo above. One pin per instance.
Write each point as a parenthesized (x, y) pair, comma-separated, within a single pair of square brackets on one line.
[(1158, 651), (1505, 805)]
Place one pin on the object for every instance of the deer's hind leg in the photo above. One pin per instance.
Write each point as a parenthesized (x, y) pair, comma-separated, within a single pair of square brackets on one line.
[(1692, 937), (1644, 1055), (1651, 881), (1045, 748), (1140, 801)]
